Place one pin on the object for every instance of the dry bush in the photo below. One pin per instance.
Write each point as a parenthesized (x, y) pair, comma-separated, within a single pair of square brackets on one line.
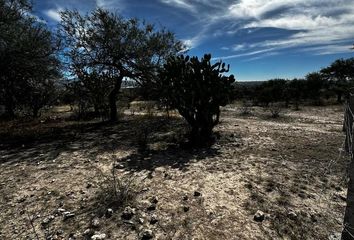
[(246, 107), (118, 191), (275, 109)]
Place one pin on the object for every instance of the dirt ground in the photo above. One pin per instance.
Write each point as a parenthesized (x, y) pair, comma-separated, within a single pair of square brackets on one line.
[(56, 178)]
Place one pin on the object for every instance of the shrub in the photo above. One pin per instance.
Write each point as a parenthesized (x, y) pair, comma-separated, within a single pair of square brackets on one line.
[(197, 89), (275, 109)]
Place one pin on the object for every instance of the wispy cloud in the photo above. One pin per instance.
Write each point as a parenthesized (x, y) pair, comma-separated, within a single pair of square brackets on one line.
[(53, 14)]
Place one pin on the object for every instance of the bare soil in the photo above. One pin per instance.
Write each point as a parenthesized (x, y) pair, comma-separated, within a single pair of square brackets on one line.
[(291, 168)]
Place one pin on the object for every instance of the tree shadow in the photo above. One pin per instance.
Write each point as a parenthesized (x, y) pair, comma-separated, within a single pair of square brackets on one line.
[(91, 139), (178, 157)]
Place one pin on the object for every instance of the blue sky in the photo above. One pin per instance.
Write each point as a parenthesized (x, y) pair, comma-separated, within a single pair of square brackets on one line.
[(260, 39)]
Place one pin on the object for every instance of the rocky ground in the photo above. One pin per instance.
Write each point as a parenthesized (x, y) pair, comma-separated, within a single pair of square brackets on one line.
[(263, 179)]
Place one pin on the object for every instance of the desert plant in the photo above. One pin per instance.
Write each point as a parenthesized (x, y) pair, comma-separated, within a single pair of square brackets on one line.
[(118, 191), (275, 109), (246, 107), (197, 89)]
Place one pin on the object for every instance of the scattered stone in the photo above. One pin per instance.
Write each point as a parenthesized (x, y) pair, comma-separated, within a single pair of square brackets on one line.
[(185, 198), (119, 166), (89, 185), (335, 236), (153, 219), (95, 223), (185, 208), (128, 213), (129, 222), (87, 232), (68, 215), (98, 236), (146, 234), (259, 216), (154, 200), (292, 215), (141, 220), (152, 207), (109, 212), (60, 210), (47, 220), (197, 194), (145, 189)]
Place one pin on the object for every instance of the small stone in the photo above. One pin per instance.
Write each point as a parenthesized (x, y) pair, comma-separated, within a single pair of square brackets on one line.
[(185, 208), (146, 234), (152, 207), (95, 223), (109, 212), (87, 232), (197, 194), (98, 236), (128, 213), (47, 220), (68, 215), (259, 216), (292, 215), (141, 220), (60, 210), (129, 222), (185, 198), (153, 219), (154, 200), (89, 185)]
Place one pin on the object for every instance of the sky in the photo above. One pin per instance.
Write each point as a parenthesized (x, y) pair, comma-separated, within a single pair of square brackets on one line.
[(260, 39)]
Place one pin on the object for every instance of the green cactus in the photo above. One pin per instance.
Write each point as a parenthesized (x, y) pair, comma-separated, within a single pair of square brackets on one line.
[(197, 89)]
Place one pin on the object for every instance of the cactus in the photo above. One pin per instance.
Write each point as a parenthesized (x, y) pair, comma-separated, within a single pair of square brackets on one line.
[(197, 89)]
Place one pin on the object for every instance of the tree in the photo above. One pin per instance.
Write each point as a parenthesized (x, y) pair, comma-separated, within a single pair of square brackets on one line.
[(314, 86), (107, 48), (28, 62), (340, 75), (296, 88), (197, 89)]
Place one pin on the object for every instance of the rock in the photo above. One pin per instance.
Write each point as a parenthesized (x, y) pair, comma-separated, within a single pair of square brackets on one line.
[(185, 198), (87, 232), (141, 220), (146, 234), (259, 216), (98, 236), (47, 220), (128, 213), (68, 215), (292, 215), (95, 223), (335, 236), (197, 194), (153, 219), (60, 210), (109, 212), (154, 200), (152, 207), (185, 208), (129, 222), (89, 185)]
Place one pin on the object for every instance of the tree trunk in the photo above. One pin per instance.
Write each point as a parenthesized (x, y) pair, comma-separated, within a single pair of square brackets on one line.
[(113, 99)]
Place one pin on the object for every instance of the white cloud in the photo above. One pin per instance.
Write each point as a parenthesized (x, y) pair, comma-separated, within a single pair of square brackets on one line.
[(110, 4), (54, 14)]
